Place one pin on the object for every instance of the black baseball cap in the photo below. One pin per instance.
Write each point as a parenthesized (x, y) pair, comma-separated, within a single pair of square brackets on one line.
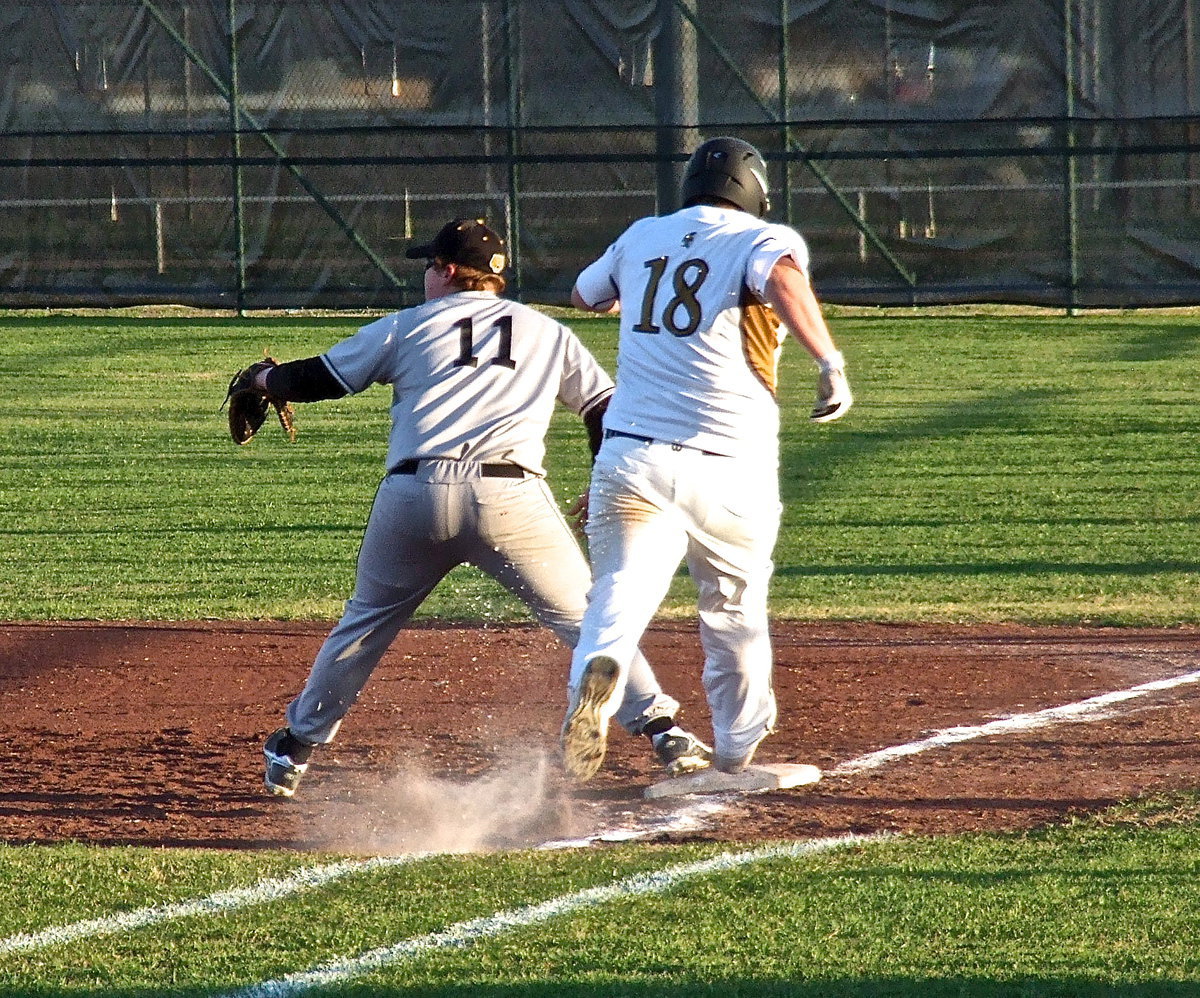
[(467, 241)]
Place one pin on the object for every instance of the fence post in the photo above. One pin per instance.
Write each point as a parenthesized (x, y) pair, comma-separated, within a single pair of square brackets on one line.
[(512, 42), (676, 100), (1191, 81), (785, 107), (485, 92), (1070, 167), (235, 119), (160, 238)]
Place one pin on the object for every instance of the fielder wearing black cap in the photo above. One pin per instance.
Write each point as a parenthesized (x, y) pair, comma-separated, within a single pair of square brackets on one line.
[(465, 241)]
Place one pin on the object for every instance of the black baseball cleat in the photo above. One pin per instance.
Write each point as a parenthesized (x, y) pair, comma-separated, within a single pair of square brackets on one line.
[(287, 760), (681, 752)]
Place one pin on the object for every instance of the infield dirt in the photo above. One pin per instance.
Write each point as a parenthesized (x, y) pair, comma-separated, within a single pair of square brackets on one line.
[(151, 733)]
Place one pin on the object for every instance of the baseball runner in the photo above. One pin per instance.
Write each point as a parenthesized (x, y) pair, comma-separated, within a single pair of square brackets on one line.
[(474, 378), (688, 468)]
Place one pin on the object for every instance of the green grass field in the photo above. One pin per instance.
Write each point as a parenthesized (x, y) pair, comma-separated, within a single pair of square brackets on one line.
[(1098, 908), (997, 466)]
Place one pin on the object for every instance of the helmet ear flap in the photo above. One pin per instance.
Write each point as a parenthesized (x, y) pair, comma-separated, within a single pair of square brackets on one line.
[(727, 169)]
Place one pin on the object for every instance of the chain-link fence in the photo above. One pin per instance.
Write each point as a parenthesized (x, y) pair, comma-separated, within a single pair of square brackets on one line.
[(281, 153)]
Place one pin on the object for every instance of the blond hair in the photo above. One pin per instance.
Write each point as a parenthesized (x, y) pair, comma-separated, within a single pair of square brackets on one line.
[(473, 279)]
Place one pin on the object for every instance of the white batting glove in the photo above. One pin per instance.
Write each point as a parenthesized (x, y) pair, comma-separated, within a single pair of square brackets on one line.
[(833, 390)]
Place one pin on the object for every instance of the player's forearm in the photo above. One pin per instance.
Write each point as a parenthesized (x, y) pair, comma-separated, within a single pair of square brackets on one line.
[(791, 295), (305, 380), (610, 307)]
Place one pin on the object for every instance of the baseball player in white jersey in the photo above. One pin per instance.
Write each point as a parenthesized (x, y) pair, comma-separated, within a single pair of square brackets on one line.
[(474, 378), (689, 464)]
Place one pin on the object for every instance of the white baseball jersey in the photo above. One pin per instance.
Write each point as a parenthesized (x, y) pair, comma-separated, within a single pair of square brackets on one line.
[(474, 377), (699, 348)]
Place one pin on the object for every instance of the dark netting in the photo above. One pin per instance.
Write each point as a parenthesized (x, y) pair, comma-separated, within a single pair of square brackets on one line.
[(263, 153)]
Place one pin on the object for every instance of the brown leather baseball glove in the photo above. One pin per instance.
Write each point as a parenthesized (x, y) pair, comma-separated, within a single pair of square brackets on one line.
[(249, 404)]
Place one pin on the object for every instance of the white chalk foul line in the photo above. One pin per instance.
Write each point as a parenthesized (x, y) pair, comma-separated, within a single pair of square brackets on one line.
[(688, 816), (1095, 708), (1092, 709), (306, 878), (467, 933)]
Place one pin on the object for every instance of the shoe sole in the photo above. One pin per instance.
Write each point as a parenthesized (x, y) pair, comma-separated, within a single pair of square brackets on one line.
[(279, 791), (585, 731), (687, 764)]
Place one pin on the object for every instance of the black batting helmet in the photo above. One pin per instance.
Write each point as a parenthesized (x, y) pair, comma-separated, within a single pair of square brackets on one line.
[(731, 170)]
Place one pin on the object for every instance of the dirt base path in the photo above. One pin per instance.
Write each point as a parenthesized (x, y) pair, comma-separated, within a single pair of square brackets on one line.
[(151, 734)]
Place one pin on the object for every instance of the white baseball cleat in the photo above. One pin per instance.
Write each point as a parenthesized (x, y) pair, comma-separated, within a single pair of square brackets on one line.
[(763, 776), (585, 730)]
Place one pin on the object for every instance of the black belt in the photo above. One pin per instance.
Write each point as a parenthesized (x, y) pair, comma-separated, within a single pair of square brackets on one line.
[(410, 467), (652, 440), (627, 436)]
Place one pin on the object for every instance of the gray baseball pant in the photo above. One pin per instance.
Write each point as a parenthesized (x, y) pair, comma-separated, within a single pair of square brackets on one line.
[(423, 525)]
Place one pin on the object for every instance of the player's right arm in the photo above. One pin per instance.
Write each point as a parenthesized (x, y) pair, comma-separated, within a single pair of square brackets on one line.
[(596, 287), (609, 307)]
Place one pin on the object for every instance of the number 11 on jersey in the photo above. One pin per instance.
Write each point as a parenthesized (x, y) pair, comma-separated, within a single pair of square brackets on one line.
[(466, 343)]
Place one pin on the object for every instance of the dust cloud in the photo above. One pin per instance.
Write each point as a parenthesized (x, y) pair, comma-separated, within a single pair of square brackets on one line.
[(519, 804)]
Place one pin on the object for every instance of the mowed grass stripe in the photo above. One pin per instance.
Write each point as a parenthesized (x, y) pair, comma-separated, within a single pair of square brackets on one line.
[(1018, 467), (306, 878), (467, 933)]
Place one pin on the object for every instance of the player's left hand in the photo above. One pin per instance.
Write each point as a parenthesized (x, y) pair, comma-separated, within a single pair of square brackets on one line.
[(578, 512), (249, 404), (833, 393)]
